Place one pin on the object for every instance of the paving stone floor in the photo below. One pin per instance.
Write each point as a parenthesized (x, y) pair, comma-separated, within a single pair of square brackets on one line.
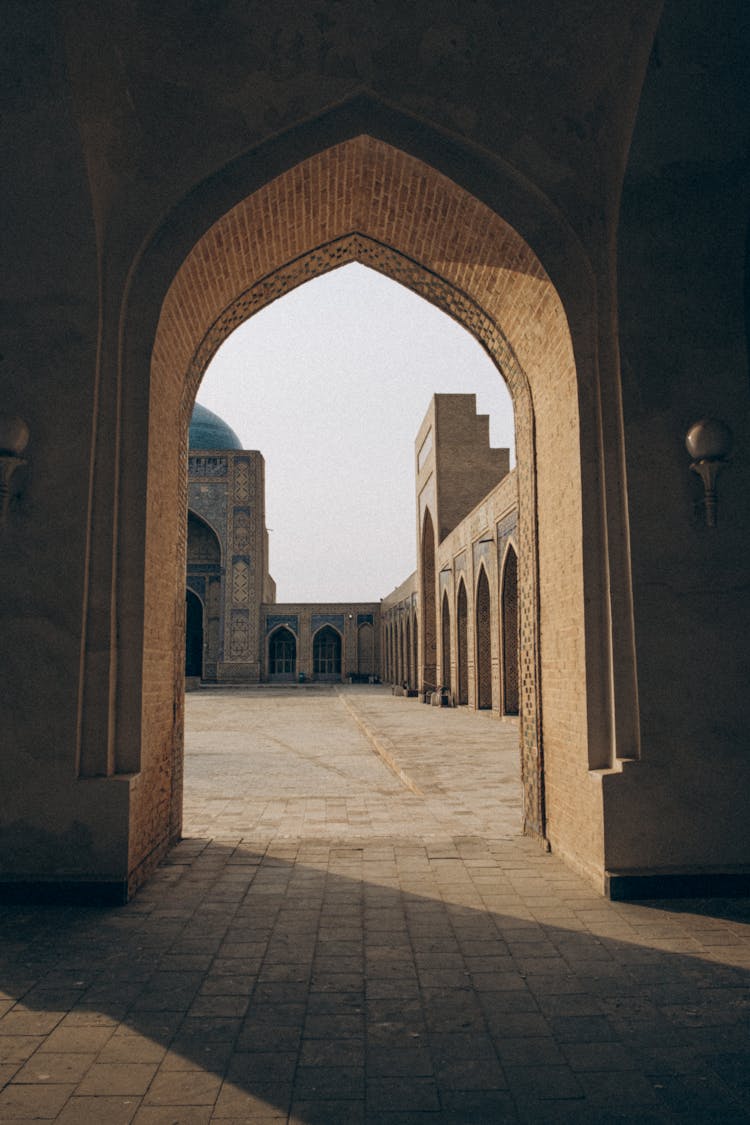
[(353, 931)]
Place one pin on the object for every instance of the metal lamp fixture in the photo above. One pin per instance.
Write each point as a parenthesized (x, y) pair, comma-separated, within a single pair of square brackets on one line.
[(14, 437), (708, 442)]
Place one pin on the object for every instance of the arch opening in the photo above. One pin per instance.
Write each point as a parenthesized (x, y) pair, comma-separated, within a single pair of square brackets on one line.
[(430, 234), (445, 655), (326, 649), (282, 654), (429, 630), (462, 654), (509, 618), (193, 635), (483, 633)]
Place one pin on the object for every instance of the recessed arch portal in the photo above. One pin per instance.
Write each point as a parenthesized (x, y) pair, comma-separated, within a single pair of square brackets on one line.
[(509, 620), (446, 643), (282, 654), (326, 650), (462, 645), (193, 634), (483, 642), (429, 624), (428, 233)]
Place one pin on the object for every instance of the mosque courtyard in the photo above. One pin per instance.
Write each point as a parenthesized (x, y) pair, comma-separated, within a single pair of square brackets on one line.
[(353, 930)]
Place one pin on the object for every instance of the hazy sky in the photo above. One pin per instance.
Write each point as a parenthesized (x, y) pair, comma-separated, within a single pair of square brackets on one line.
[(331, 384)]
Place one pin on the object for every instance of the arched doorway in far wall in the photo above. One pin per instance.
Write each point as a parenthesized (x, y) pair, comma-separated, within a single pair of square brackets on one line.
[(483, 644), (462, 630), (327, 654), (509, 617), (193, 635), (282, 654)]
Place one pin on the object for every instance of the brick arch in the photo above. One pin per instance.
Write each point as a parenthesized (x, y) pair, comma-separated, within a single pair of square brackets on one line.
[(365, 201)]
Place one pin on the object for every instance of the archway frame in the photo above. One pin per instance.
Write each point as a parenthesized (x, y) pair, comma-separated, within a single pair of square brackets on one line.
[(357, 247), (280, 628), (427, 652), (326, 629), (511, 548), (483, 671), (136, 405), (192, 514)]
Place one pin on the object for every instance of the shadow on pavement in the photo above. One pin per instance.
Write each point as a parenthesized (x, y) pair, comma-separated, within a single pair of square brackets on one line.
[(389, 982)]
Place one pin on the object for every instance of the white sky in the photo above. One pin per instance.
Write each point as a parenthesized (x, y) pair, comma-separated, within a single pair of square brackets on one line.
[(331, 384)]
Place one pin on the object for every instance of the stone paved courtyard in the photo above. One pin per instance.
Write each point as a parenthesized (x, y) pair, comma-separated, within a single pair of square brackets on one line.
[(353, 931)]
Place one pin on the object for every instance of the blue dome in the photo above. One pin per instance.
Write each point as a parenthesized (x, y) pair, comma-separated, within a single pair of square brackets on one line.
[(209, 431)]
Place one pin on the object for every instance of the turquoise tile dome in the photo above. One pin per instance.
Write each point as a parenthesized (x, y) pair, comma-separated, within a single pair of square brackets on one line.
[(209, 431)]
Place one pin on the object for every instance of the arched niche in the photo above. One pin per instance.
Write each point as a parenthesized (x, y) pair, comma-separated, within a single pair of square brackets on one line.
[(483, 642), (428, 678), (445, 653), (462, 646), (509, 630), (282, 654), (193, 635), (327, 653)]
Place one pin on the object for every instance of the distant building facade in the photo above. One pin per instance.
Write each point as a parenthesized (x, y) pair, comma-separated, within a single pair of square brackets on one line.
[(235, 631), (449, 633)]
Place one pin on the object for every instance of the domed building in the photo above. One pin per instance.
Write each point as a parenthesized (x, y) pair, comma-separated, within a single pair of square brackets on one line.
[(235, 630), (227, 553), (209, 431)]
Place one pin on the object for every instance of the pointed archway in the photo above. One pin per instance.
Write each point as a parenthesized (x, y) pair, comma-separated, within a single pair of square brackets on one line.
[(462, 646), (428, 678), (326, 650), (282, 654), (193, 635), (509, 626), (483, 643), (445, 654), (427, 232)]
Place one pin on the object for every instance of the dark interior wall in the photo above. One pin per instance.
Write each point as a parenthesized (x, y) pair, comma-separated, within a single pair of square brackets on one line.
[(48, 360), (683, 332)]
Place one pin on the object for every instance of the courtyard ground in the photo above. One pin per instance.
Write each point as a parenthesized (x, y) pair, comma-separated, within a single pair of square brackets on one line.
[(354, 931)]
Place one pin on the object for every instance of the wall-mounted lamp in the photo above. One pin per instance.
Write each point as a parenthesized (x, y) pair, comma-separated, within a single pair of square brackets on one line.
[(708, 443), (14, 436)]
